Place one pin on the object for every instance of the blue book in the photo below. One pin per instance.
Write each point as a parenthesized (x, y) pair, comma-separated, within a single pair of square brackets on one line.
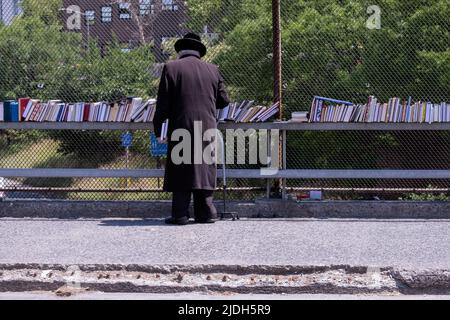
[(11, 109), (60, 112), (333, 100)]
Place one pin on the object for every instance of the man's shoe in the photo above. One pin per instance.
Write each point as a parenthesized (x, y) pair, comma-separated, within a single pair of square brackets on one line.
[(177, 221), (207, 220)]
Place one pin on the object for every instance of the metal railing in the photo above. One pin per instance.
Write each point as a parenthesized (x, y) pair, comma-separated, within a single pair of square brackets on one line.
[(267, 50), (285, 173)]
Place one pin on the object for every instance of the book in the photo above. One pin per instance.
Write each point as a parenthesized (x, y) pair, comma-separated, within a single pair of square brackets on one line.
[(23, 106), (245, 112), (395, 111), (299, 117), (144, 111), (87, 109), (31, 105), (113, 114), (11, 111), (258, 114), (164, 130)]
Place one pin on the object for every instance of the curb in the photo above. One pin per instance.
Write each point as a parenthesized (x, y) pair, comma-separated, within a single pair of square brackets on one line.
[(64, 209), (259, 279)]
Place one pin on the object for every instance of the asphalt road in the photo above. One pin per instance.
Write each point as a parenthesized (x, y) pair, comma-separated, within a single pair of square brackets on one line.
[(405, 244)]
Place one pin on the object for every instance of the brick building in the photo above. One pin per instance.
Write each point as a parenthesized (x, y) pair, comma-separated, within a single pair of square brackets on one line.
[(133, 22), (8, 10)]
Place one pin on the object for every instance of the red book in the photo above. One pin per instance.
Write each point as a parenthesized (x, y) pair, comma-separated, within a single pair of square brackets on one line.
[(35, 112), (87, 109), (23, 103)]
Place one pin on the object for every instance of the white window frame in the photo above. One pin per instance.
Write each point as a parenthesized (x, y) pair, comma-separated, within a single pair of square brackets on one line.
[(124, 6), (170, 5), (106, 15), (146, 7), (89, 16)]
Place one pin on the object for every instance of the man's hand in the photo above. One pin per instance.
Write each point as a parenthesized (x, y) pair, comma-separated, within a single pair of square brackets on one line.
[(162, 141)]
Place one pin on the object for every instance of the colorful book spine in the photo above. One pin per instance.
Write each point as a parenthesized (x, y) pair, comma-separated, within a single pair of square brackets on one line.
[(395, 111), (11, 111)]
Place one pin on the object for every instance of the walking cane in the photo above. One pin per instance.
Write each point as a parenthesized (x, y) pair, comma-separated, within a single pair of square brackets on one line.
[(234, 215)]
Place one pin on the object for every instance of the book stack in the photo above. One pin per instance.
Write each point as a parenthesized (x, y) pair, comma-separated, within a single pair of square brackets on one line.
[(245, 112), (321, 111), (394, 111), (145, 112), (127, 110), (91, 112), (299, 117)]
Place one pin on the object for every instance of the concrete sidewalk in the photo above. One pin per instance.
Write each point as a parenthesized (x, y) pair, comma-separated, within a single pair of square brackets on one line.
[(375, 243), (247, 256)]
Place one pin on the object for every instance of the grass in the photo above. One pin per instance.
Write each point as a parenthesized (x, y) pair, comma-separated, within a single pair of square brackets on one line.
[(30, 156), (44, 154), (136, 161)]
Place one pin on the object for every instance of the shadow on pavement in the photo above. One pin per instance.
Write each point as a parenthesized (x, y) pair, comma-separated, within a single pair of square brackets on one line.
[(138, 223)]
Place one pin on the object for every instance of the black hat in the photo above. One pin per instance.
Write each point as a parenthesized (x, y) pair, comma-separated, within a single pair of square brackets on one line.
[(191, 41)]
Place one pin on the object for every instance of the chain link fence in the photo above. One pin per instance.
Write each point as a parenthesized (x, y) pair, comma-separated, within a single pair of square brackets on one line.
[(104, 50), (350, 50)]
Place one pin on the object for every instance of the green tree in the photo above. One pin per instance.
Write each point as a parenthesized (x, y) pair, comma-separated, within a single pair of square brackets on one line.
[(38, 58), (244, 53), (329, 51), (41, 60)]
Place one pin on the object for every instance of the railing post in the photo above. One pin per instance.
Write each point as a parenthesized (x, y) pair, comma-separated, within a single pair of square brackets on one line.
[(277, 59), (269, 155), (277, 76), (284, 163)]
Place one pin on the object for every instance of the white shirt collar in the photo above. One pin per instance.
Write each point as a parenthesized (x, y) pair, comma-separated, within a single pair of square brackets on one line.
[(184, 53)]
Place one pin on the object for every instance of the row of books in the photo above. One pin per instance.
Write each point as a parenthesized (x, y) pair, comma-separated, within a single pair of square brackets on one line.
[(395, 110), (131, 109), (128, 110), (245, 111)]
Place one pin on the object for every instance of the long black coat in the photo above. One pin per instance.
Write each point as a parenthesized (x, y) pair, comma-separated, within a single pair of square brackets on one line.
[(190, 90)]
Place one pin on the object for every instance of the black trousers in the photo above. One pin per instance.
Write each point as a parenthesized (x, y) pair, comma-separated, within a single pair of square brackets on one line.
[(203, 204)]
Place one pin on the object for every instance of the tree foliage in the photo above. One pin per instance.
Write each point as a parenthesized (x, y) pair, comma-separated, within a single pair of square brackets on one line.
[(39, 60), (329, 51)]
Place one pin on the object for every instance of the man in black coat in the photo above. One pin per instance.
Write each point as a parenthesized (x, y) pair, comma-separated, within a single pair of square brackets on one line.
[(190, 92)]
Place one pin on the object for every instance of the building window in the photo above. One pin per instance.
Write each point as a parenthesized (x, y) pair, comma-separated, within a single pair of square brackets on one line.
[(90, 17), (169, 5), (146, 7), (124, 11), (16, 5), (9, 9), (106, 14)]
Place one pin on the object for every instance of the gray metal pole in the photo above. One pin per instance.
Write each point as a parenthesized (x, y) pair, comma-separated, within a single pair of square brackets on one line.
[(234, 215), (284, 164), (277, 65), (277, 60)]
